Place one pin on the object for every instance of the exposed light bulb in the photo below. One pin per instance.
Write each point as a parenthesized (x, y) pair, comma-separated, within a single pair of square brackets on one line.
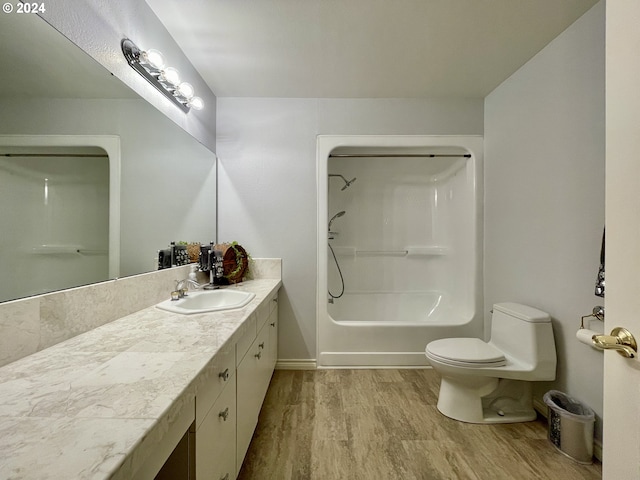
[(151, 65), (170, 75), (196, 103), (185, 90), (153, 58)]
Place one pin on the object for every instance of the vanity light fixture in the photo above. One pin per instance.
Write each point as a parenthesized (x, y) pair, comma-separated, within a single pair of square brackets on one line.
[(151, 65)]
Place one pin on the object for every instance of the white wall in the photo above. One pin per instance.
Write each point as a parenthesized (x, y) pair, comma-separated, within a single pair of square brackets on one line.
[(544, 194), (267, 180)]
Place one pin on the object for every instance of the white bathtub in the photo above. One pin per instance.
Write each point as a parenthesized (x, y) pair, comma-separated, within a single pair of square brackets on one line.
[(397, 308)]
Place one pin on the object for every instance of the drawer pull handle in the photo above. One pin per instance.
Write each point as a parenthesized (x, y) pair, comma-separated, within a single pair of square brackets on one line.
[(258, 355), (224, 375), (261, 345), (224, 414), (226, 477), (273, 324), (275, 300)]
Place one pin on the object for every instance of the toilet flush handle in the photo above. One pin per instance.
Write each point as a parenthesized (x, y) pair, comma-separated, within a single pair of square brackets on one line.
[(620, 340)]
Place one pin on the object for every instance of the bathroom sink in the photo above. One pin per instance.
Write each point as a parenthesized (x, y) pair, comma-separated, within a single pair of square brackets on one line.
[(207, 301)]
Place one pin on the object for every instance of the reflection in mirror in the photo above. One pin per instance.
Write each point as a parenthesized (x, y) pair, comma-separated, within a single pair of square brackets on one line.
[(162, 187), (59, 200)]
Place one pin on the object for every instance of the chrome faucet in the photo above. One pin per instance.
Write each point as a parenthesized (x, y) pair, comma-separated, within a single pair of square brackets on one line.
[(180, 290)]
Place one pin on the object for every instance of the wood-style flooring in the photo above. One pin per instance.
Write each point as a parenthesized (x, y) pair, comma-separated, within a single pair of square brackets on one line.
[(384, 425)]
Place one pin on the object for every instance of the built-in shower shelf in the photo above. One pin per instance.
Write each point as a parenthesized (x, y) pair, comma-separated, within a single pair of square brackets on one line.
[(66, 250), (408, 252), (429, 250), (381, 253)]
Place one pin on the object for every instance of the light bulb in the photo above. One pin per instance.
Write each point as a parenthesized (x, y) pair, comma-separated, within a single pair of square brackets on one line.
[(170, 75), (185, 90), (153, 58), (196, 103)]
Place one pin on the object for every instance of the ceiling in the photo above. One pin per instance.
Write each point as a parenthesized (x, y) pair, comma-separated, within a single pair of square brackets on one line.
[(362, 48)]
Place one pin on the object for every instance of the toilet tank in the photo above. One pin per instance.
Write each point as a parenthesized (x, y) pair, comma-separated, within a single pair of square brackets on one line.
[(525, 334)]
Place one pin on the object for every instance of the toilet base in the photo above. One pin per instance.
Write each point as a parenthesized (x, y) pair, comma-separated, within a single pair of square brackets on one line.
[(479, 399)]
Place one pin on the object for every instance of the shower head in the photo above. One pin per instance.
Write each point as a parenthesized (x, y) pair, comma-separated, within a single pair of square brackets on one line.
[(337, 215), (347, 183)]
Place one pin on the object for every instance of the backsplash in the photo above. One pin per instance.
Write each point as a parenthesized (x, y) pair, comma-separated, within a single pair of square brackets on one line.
[(32, 324)]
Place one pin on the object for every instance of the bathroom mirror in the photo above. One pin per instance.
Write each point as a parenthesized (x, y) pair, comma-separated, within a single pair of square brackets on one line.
[(158, 182)]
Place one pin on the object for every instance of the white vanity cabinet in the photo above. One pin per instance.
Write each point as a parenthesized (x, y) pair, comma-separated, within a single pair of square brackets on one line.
[(229, 399), (254, 370), (216, 438), (216, 419)]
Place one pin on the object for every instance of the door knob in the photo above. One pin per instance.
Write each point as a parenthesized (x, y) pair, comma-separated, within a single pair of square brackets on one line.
[(620, 340)]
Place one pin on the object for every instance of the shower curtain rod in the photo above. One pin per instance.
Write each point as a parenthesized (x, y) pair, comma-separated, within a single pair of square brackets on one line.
[(63, 155), (398, 155)]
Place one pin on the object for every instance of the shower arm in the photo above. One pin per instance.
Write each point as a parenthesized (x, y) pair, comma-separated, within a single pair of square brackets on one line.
[(347, 183)]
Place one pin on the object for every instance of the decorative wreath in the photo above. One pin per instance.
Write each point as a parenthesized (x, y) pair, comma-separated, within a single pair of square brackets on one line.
[(235, 261)]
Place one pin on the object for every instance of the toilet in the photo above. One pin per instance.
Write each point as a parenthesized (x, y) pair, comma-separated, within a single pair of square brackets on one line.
[(490, 382)]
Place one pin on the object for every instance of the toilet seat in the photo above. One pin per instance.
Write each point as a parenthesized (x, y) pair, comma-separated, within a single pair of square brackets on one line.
[(465, 352)]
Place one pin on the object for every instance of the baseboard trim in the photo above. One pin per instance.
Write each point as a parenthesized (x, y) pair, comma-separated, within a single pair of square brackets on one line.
[(296, 364), (372, 360), (541, 408)]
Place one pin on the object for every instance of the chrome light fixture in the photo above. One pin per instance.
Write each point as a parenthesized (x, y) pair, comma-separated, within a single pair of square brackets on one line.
[(151, 65)]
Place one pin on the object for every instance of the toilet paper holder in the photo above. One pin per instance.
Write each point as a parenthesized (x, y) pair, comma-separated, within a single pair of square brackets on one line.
[(597, 312)]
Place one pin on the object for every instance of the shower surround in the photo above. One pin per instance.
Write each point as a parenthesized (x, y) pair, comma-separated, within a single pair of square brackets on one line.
[(406, 262)]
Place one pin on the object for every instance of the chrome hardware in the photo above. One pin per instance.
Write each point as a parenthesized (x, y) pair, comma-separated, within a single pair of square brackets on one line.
[(181, 287), (224, 414), (181, 290), (261, 345), (620, 340), (273, 324), (258, 355), (224, 375), (596, 312)]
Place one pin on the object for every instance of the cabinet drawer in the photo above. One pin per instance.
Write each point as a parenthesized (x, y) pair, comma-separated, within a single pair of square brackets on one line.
[(215, 377), (265, 309), (216, 438), (273, 302)]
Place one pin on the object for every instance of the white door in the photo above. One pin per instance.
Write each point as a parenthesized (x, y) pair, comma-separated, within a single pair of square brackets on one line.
[(621, 417)]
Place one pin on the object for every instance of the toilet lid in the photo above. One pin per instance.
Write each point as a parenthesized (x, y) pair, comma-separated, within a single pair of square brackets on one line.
[(471, 352)]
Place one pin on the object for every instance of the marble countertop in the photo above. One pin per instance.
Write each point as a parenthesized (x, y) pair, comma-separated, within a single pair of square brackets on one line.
[(94, 406)]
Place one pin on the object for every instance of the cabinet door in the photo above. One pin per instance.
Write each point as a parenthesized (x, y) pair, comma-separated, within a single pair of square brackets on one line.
[(264, 363), (216, 438), (273, 336), (251, 389)]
